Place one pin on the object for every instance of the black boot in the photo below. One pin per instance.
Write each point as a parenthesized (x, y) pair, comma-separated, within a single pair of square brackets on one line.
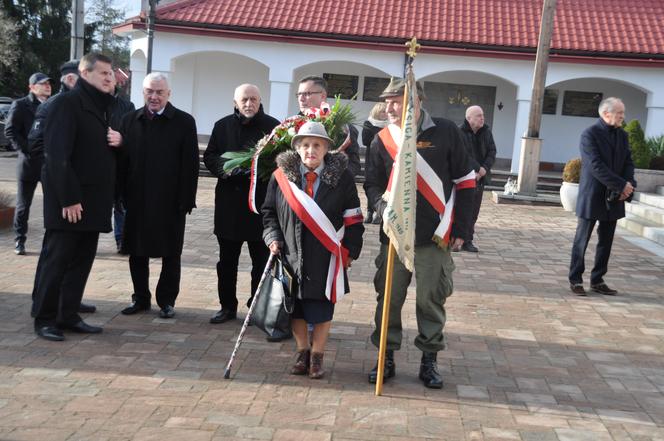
[(389, 371), (429, 371), (369, 217)]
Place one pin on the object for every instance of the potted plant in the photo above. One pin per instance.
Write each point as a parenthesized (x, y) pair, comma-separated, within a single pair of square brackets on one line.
[(6, 210), (569, 191)]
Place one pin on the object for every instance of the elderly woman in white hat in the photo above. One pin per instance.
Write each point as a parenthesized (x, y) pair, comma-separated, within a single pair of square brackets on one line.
[(312, 217)]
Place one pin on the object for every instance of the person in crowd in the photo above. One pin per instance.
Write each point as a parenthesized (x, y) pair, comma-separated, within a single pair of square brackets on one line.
[(78, 180), (28, 168), (238, 131), (440, 145), (374, 124), (314, 181), (606, 182), (159, 178), (119, 108), (311, 93), (482, 152)]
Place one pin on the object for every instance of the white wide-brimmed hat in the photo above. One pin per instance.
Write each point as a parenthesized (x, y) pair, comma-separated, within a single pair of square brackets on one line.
[(311, 128)]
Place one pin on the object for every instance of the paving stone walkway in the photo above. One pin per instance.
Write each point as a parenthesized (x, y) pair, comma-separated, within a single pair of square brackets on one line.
[(526, 359)]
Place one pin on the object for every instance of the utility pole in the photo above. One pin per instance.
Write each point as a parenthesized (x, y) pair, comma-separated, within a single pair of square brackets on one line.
[(531, 144), (77, 29), (151, 19)]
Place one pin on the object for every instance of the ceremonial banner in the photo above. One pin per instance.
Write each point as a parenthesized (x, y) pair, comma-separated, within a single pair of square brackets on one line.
[(401, 196)]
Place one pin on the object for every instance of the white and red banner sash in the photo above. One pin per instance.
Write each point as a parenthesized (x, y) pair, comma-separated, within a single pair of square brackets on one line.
[(311, 215), (429, 184)]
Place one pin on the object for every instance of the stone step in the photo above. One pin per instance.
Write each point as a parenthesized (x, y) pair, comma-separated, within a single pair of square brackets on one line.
[(645, 211), (656, 200), (642, 227)]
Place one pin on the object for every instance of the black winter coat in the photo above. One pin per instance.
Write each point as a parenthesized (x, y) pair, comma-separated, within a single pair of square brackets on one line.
[(159, 178), (36, 134), (79, 165), (17, 127), (119, 108), (232, 217), (481, 149), (440, 143), (606, 163), (307, 258)]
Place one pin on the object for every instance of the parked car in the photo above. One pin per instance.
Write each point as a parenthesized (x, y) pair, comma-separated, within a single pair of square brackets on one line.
[(5, 103)]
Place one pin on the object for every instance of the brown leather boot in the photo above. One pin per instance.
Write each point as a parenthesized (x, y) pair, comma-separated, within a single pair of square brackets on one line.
[(316, 370), (301, 366)]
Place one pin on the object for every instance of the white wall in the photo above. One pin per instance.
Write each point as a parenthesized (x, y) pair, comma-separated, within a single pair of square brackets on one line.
[(561, 133)]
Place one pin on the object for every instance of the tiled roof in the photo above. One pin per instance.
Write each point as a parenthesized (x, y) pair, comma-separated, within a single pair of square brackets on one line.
[(581, 26)]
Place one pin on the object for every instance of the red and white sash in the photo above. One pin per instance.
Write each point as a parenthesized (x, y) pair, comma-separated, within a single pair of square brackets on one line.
[(429, 184), (311, 215)]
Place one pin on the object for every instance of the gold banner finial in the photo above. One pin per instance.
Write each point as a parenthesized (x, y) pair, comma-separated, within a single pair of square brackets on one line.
[(413, 46)]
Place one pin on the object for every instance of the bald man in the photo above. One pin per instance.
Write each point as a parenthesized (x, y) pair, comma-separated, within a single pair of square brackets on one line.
[(482, 151), (234, 223)]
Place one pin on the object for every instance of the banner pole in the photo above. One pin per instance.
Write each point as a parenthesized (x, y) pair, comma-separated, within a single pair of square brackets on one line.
[(385, 318)]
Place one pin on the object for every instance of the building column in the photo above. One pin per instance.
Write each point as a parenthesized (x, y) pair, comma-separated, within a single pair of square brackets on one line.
[(279, 99), (520, 128)]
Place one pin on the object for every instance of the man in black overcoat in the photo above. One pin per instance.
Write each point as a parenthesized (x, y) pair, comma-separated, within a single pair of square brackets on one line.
[(28, 168), (607, 181), (78, 179), (234, 223), (482, 154), (159, 177)]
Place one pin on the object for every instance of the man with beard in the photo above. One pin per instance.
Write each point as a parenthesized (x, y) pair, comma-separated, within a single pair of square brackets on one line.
[(234, 222), (159, 177), (78, 179)]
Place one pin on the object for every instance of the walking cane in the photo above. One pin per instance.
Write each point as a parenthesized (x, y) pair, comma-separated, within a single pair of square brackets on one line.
[(266, 271)]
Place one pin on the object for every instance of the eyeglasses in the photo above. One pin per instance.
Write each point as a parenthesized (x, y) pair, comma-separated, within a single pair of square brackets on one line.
[(307, 94)]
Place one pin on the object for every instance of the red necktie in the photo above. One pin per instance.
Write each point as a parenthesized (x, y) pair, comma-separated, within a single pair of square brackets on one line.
[(311, 178)]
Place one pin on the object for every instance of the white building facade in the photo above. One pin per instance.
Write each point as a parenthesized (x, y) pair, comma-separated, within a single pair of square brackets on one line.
[(205, 68)]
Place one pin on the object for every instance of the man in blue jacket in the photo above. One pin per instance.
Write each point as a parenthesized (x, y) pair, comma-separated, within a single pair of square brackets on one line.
[(607, 180)]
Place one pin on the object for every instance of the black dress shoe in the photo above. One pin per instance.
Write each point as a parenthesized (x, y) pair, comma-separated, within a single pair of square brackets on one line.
[(85, 308), (82, 328), (167, 312), (602, 288), (429, 371), (223, 316), (389, 371), (469, 247), (50, 333), (577, 288), (134, 308), (20, 249)]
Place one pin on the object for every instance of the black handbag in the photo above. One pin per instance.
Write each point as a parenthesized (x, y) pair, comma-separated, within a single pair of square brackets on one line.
[(274, 303)]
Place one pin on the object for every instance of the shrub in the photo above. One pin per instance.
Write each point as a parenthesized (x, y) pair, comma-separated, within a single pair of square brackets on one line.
[(640, 152), (656, 145), (657, 163), (572, 171), (6, 199)]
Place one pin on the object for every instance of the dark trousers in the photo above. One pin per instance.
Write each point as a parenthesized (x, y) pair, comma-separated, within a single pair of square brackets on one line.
[(62, 272), (477, 202), (24, 193), (229, 255), (168, 286), (584, 229)]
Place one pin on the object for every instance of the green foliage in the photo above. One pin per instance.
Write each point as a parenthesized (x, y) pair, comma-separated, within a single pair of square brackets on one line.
[(8, 46), (657, 163), (102, 16), (572, 171), (641, 154), (656, 145)]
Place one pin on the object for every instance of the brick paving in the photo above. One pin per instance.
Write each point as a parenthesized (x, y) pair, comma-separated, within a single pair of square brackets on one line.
[(526, 360)]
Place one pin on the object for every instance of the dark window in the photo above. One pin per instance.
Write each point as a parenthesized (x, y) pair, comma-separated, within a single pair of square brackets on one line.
[(343, 85), (550, 101), (373, 87), (581, 103)]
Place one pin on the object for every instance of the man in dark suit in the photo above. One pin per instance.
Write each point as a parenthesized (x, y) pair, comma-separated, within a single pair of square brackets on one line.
[(237, 132), (28, 168), (607, 180), (78, 179), (158, 178)]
